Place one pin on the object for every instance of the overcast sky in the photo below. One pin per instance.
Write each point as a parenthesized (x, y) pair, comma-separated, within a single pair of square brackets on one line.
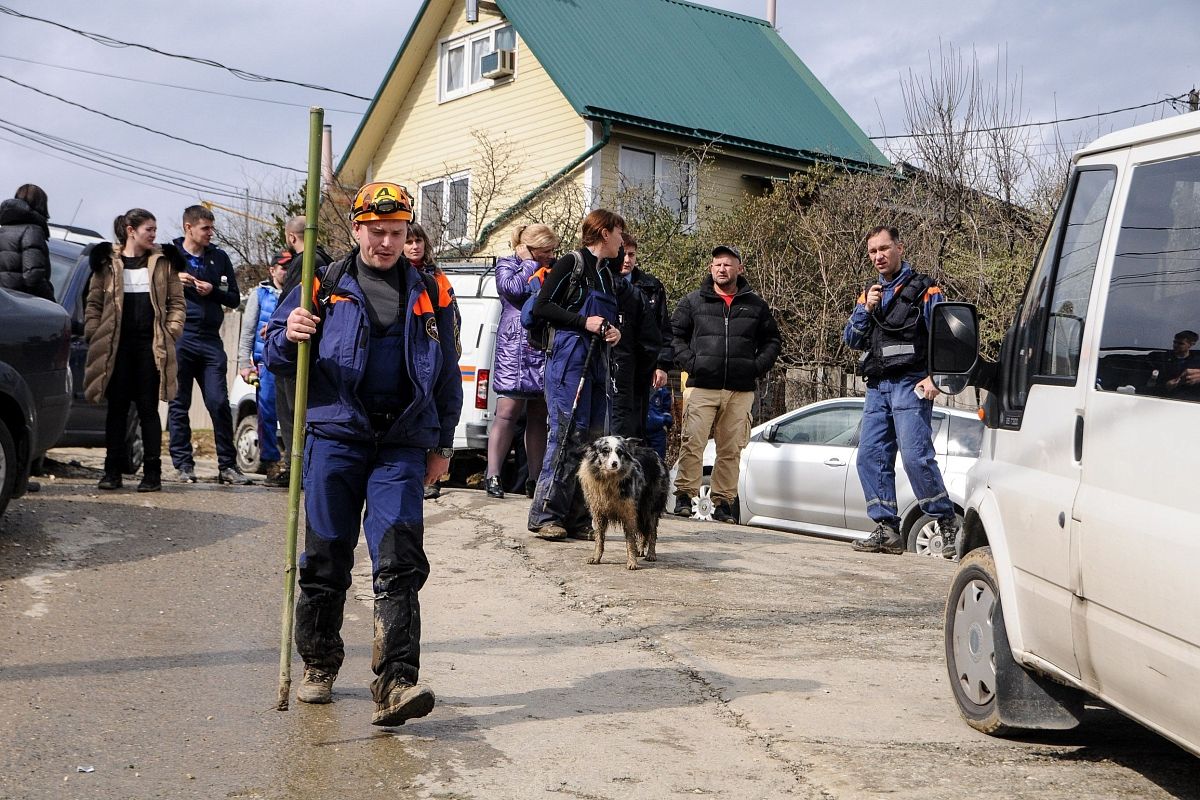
[(1069, 65)]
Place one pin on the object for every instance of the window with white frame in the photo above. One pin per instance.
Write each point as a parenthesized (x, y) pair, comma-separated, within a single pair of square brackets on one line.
[(460, 60), (668, 180), (443, 208)]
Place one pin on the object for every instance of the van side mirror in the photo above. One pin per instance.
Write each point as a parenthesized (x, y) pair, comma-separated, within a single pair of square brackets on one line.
[(953, 346), (772, 429)]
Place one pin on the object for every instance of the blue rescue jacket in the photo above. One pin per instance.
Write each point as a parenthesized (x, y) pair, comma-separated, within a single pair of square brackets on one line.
[(339, 354)]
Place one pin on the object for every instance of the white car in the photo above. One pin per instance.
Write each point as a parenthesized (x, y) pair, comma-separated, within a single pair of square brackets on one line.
[(799, 473)]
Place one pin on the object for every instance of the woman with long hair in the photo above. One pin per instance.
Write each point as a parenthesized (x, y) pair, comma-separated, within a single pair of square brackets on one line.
[(134, 314), (517, 373), (24, 254), (578, 301), (418, 251)]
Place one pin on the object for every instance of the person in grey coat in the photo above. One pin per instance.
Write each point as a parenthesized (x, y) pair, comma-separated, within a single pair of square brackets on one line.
[(24, 254), (517, 373)]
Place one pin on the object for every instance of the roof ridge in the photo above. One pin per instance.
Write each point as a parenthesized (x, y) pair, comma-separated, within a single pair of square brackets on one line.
[(722, 12)]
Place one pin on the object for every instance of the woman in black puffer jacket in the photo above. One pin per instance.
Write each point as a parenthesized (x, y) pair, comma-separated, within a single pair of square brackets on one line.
[(24, 255)]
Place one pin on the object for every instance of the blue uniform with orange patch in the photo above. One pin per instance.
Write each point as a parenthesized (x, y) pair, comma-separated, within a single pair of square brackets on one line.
[(378, 401)]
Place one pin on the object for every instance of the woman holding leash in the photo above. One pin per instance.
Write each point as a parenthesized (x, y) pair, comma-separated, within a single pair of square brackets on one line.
[(578, 301)]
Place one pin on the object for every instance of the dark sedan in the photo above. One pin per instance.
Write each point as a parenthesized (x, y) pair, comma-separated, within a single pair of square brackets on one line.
[(35, 385)]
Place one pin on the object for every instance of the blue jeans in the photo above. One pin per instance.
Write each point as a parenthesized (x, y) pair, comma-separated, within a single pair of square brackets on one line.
[(201, 358), (268, 422), (894, 418)]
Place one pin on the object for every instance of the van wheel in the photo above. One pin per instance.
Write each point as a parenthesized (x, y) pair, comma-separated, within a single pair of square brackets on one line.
[(245, 444), (974, 622), (8, 466), (924, 538)]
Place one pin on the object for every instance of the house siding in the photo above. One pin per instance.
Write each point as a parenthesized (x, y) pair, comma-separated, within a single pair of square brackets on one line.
[(720, 183), (427, 139)]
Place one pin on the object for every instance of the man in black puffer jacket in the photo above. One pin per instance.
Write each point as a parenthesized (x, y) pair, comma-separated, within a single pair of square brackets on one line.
[(725, 338)]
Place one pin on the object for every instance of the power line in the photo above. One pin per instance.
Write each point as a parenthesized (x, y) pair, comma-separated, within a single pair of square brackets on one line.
[(125, 167), (120, 157), (151, 130), (172, 85), (1029, 124), (121, 175), (245, 75)]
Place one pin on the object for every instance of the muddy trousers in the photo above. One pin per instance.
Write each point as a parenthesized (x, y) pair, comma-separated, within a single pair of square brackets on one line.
[(340, 479), (558, 500)]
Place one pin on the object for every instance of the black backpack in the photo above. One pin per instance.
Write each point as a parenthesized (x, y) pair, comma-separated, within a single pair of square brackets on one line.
[(537, 330)]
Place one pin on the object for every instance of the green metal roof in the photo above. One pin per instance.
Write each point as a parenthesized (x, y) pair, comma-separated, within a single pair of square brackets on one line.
[(688, 69)]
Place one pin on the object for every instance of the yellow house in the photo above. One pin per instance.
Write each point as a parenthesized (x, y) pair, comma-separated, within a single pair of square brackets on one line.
[(495, 113)]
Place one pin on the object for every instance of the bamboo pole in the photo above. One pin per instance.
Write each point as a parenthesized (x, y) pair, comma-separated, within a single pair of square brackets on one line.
[(312, 207)]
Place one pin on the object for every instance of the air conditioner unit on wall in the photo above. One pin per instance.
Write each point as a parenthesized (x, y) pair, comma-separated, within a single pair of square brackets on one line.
[(498, 64)]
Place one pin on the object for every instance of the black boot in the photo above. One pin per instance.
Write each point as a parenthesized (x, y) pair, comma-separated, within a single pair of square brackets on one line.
[(151, 476), (491, 485), (112, 474)]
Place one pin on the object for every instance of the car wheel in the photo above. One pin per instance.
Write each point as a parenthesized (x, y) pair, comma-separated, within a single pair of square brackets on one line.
[(974, 626), (135, 448), (924, 538), (8, 466), (245, 442)]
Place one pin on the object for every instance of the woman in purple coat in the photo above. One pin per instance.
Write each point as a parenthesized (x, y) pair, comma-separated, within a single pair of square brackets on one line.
[(517, 371)]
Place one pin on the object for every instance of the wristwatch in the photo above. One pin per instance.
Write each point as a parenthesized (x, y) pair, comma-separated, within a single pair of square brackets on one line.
[(444, 452)]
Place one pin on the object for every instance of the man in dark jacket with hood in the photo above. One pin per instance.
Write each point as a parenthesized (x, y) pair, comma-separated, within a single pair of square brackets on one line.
[(209, 286), (725, 339)]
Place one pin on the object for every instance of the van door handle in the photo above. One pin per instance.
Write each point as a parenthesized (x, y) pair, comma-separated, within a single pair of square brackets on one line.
[(834, 462), (1079, 437)]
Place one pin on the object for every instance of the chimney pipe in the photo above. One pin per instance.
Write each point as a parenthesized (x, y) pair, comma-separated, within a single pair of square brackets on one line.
[(327, 158), (771, 12)]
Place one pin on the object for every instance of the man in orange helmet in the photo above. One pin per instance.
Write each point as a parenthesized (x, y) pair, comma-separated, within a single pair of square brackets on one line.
[(384, 398)]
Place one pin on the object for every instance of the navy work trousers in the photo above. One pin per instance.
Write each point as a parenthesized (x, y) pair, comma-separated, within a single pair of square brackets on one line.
[(340, 478), (894, 418), (200, 357), (558, 499)]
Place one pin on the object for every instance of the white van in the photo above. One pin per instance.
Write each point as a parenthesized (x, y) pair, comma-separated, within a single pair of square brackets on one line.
[(1081, 544), (479, 304)]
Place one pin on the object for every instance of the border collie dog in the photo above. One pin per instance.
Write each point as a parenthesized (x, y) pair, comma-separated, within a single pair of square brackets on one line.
[(624, 482)]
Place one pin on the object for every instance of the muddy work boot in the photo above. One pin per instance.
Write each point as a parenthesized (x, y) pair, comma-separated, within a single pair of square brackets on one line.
[(402, 703), (724, 513), (949, 530), (683, 505), (110, 481), (276, 475), (884, 539), (316, 687)]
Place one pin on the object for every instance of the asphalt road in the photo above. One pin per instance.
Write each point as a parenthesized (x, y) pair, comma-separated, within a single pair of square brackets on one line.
[(141, 644)]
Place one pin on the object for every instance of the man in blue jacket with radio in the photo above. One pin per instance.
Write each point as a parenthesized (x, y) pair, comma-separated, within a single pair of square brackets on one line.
[(890, 325), (384, 397)]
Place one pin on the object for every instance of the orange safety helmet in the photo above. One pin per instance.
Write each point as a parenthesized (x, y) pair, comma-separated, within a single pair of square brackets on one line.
[(381, 200)]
